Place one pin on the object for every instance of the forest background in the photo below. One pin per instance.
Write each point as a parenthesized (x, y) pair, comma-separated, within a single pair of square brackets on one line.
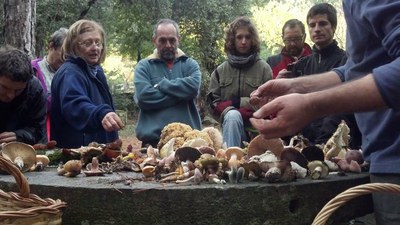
[(27, 24)]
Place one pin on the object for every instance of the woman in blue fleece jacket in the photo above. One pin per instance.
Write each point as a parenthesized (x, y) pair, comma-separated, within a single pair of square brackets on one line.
[(82, 107), (370, 88)]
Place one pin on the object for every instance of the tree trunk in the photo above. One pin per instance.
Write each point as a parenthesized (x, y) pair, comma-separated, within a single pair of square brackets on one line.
[(19, 27)]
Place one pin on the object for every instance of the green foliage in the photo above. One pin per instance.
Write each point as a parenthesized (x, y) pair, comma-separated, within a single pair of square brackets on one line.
[(53, 14)]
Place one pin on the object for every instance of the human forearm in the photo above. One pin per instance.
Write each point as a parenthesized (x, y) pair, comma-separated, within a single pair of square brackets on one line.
[(152, 98), (185, 88), (317, 82), (356, 96)]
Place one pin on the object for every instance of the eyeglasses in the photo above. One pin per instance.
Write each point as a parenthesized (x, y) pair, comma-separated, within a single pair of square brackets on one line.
[(90, 43), (294, 39)]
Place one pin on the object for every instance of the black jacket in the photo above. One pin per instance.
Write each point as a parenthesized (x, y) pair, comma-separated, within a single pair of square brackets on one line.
[(321, 60), (320, 130), (26, 114)]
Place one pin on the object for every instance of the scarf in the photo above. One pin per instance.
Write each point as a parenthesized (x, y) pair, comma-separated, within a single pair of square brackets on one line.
[(241, 62)]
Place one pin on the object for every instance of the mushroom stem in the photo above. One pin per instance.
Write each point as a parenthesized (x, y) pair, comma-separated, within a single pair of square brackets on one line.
[(169, 178), (168, 174), (213, 178), (185, 180), (187, 174), (316, 174)]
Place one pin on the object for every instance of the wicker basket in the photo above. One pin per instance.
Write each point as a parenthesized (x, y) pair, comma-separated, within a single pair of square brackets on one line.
[(349, 194), (24, 208)]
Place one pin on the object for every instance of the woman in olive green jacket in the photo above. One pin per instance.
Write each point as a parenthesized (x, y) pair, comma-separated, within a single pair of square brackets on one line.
[(234, 80)]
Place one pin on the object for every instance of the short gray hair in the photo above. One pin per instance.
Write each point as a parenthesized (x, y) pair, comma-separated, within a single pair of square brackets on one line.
[(57, 38), (165, 21)]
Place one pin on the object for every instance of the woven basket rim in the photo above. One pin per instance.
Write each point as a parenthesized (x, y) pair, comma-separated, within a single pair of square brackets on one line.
[(31, 205), (349, 194)]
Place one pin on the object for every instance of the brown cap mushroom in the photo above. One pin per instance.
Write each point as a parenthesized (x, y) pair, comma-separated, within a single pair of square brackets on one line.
[(18, 150), (292, 154), (259, 145), (313, 152), (207, 149), (238, 151), (149, 171), (71, 168), (187, 153)]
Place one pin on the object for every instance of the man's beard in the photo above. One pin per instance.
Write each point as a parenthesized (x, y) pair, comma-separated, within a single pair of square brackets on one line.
[(168, 54)]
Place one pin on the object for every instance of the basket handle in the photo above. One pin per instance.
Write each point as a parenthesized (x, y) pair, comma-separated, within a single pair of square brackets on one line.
[(351, 193), (20, 179)]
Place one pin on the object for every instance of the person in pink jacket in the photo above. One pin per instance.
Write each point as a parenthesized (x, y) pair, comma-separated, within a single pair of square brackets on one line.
[(46, 67)]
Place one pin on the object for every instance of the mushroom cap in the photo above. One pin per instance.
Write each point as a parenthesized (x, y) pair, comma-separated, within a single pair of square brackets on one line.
[(12, 150), (292, 154), (148, 171), (195, 142), (73, 166), (355, 155), (207, 160), (215, 136), (259, 145), (238, 151), (87, 153), (313, 152), (207, 149), (43, 159), (115, 145), (168, 148), (187, 153), (111, 153)]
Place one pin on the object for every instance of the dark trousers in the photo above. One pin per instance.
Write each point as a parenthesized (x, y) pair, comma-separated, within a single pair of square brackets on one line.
[(386, 205)]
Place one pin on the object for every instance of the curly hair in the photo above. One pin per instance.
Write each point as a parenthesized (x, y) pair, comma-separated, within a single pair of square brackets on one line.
[(230, 33)]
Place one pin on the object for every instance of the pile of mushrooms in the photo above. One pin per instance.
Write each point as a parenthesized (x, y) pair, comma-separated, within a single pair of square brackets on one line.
[(184, 155), (197, 160)]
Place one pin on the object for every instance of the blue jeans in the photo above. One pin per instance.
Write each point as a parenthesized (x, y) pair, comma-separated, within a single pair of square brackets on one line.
[(386, 205), (233, 131)]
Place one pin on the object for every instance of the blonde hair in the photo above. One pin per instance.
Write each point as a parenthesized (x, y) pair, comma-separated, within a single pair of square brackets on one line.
[(80, 27)]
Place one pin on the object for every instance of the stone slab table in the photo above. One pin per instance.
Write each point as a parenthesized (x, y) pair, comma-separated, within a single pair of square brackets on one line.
[(107, 200)]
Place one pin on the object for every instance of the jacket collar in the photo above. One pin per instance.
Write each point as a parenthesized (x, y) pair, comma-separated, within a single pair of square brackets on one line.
[(328, 49), (91, 70), (155, 56)]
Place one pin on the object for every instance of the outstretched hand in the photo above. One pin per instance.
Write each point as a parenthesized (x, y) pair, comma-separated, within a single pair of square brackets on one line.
[(283, 116), (112, 122), (270, 90)]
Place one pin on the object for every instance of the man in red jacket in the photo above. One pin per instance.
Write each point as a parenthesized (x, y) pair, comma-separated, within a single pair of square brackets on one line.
[(293, 36)]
